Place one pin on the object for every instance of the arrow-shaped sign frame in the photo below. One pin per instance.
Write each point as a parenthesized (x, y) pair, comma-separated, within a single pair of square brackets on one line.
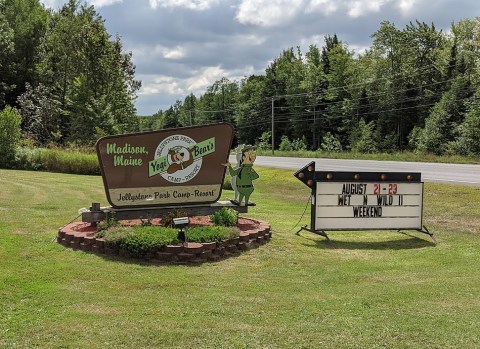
[(378, 180)]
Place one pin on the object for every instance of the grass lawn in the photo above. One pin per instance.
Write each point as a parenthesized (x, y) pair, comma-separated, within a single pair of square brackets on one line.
[(361, 290)]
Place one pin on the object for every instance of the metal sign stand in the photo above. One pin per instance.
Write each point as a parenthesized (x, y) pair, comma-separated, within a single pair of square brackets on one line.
[(96, 214), (318, 232)]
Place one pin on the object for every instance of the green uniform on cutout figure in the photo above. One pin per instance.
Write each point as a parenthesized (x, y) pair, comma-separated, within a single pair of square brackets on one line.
[(245, 175)]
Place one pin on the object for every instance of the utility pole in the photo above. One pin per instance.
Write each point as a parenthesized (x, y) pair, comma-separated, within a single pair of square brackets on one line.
[(273, 127), (314, 130)]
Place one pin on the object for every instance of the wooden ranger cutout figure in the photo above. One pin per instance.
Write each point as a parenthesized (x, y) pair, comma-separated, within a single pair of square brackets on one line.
[(245, 175)]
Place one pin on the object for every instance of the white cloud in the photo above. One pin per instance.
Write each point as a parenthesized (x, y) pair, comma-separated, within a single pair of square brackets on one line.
[(101, 3), (326, 7), (160, 84), (51, 3), (317, 40), (204, 78), (360, 8), (250, 40), (174, 53), (267, 13), (359, 49), (198, 5), (197, 83), (406, 5)]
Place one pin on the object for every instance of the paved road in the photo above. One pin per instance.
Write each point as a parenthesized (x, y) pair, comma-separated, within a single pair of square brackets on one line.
[(431, 172)]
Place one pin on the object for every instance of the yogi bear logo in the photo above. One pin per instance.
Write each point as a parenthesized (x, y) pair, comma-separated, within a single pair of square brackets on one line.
[(178, 158)]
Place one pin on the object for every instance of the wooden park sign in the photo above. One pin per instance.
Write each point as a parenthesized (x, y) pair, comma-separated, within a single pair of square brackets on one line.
[(364, 200), (165, 168)]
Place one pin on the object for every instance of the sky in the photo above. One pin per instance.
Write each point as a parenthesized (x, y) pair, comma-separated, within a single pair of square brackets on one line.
[(183, 46)]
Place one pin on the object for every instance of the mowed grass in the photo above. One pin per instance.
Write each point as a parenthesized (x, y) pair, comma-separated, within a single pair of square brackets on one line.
[(361, 290)]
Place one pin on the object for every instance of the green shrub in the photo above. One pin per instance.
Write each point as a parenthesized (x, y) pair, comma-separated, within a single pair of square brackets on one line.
[(298, 144), (330, 143), (27, 158), (226, 217), (363, 138), (211, 234), (140, 240), (9, 135), (285, 144), (265, 141), (115, 235)]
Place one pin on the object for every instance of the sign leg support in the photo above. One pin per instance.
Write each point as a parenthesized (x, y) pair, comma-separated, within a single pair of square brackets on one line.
[(424, 230), (318, 232)]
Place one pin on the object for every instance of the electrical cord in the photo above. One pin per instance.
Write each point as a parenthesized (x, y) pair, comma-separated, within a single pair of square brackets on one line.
[(304, 210), (68, 224)]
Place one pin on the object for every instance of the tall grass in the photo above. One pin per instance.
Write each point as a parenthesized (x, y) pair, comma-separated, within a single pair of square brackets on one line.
[(57, 160), (396, 156)]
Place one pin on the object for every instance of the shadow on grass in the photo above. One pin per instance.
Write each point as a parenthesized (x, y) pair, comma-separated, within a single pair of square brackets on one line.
[(143, 262), (410, 242)]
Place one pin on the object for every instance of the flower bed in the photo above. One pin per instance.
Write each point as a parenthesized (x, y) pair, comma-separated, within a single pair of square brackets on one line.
[(252, 233)]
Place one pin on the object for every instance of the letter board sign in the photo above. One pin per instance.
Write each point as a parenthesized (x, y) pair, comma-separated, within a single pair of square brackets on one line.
[(368, 205), (165, 168), (364, 200)]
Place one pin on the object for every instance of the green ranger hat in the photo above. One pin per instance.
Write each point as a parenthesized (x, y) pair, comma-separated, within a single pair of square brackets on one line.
[(248, 147)]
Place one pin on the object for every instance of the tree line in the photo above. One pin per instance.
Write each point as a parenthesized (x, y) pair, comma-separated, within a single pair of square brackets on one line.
[(66, 77), (416, 88)]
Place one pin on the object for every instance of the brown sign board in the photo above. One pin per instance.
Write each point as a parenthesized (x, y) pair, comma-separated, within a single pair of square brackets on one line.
[(182, 166)]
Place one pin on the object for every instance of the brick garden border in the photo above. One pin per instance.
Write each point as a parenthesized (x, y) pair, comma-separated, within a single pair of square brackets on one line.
[(81, 236)]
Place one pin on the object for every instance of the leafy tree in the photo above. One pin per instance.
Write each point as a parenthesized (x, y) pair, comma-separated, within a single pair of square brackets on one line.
[(9, 135), (27, 20), (171, 117), (314, 84), (252, 110), (188, 114), (337, 116), (41, 115), (282, 83), (91, 75), (217, 104), (363, 139), (6, 51), (468, 140), (442, 123)]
